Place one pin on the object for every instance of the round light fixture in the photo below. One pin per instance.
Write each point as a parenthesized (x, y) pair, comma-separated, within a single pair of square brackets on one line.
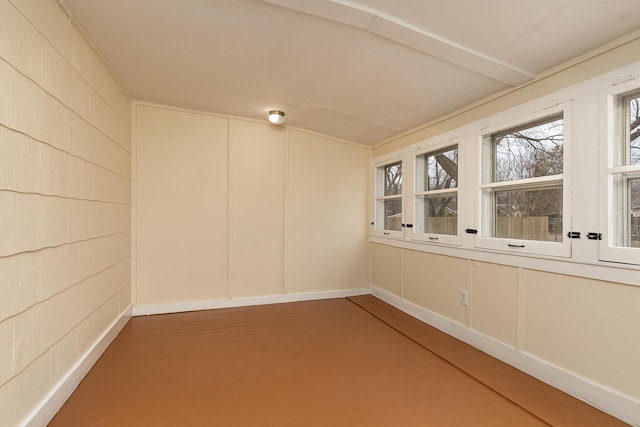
[(276, 117)]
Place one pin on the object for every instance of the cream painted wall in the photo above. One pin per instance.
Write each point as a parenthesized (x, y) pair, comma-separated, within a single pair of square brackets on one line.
[(65, 192), (326, 226), (495, 301), (181, 206), (576, 319), (386, 265), (434, 282), (258, 177), (589, 327), (232, 208), (585, 326)]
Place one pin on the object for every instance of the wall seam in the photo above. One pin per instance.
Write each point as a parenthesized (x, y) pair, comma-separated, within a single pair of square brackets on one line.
[(230, 136), (285, 226)]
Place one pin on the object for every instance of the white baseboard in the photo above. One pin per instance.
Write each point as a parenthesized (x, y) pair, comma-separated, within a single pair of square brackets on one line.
[(603, 398), (242, 302), (608, 400), (51, 404)]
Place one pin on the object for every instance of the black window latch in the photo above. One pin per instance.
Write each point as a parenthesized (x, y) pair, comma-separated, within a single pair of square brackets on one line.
[(573, 234)]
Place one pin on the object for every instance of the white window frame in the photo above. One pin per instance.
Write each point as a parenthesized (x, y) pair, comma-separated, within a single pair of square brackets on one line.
[(435, 238), (485, 208), (611, 139), (379, 198)]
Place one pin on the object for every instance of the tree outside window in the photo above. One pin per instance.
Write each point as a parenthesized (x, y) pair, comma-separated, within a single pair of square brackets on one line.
[(437, 192), (389, 197), (523, 176)]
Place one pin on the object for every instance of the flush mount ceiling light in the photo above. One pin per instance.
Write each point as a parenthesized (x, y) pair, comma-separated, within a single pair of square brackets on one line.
[(276, 117)]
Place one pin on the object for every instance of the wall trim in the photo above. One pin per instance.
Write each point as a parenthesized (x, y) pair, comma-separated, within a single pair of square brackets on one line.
[(145, 310), (603, 398), (606, 271), (58, 395)]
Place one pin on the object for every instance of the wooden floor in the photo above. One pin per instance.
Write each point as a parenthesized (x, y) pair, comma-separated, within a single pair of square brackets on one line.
[(341, 362)]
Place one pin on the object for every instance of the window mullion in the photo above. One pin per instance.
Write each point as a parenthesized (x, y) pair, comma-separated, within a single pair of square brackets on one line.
[(628, 169), (391, 197), (443, 191), (529, 182)]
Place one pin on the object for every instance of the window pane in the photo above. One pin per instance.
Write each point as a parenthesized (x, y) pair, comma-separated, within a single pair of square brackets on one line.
[(393, 214), (634, 205), (529, 152), (440, 170), (529, 214), (633, 114), (393, 179), (440, 214)]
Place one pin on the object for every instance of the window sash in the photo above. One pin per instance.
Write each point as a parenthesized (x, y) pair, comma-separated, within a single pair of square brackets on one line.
[(392, 175), (535, 235), (629, 145), (444, 221), (531, 148), (388, 209), (626, 210), (511, 221), (621, 239), (389, 213), (433, 173), (437, 180)]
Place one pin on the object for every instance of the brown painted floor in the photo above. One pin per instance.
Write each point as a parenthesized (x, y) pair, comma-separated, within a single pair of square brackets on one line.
[(340, 362)]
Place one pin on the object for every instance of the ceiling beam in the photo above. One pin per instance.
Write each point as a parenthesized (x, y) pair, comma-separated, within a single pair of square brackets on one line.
[(405, 33)]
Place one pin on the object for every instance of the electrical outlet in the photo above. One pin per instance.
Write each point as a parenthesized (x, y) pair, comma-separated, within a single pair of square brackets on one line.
[(464, 297)]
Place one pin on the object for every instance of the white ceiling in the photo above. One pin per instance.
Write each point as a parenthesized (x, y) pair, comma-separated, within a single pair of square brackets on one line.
[(361, 70)]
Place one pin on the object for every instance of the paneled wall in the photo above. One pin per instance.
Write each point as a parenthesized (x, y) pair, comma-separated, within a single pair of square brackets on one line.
[(230, 208), (584, 326), (65, 192), (181, 206)]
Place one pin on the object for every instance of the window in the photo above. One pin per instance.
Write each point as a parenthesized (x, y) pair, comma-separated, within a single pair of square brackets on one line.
[(436, 195), (389, 197), (624, 178), (523, 186)]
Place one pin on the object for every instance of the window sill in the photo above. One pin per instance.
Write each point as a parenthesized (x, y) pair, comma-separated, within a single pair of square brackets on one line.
[(592, 269)]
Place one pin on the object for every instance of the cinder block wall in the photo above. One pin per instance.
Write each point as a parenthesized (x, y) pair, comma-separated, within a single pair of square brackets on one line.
[(65, 197)]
